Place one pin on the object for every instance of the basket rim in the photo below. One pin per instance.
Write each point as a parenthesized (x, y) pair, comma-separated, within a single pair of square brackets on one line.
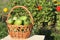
[(18, 25)]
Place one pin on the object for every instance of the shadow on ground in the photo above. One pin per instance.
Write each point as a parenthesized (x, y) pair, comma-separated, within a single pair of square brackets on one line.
[(47, 34)]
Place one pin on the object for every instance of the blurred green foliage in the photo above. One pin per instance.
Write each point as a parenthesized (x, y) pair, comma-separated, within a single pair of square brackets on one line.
[(3, 30), (46, 21)]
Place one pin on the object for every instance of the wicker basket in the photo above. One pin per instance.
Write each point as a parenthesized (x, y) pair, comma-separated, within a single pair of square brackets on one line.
[(22, 31)]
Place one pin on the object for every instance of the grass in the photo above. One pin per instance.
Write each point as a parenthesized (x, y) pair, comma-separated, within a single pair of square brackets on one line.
[(56, 36), (3, 30)]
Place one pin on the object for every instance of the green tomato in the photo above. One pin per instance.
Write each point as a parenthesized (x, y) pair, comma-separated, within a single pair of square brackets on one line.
[(26, 22), (23, 18), (18, 22), (14, 18), (10, 21)]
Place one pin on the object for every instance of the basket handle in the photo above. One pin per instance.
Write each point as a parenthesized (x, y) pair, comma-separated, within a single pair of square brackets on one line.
[(23, 8)]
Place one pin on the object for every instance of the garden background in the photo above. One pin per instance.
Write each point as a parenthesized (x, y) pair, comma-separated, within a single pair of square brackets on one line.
[(46, 17)]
